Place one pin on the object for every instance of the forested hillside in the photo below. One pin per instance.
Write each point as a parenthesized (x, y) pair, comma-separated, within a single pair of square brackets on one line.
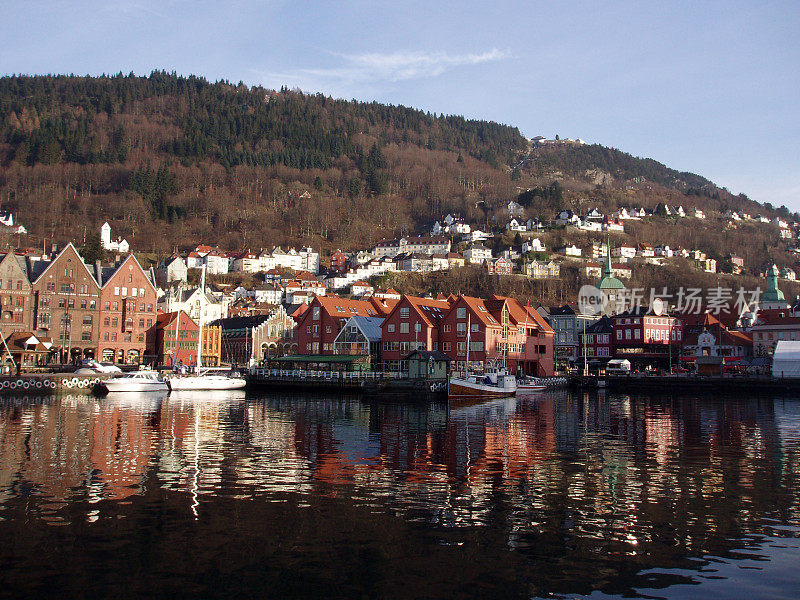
[(171, 161)]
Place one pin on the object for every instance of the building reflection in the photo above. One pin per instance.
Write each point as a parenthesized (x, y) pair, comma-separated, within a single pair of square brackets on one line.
[(560, 479)]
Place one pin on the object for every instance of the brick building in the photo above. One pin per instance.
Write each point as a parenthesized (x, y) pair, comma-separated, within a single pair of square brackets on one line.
[(66, 301), (128, 314), (16, 310)]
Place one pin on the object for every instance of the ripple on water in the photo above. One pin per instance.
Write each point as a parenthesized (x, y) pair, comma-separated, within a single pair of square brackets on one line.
[(565, 495)]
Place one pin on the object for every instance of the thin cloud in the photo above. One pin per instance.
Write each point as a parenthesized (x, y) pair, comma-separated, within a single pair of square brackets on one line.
[(357, 70)]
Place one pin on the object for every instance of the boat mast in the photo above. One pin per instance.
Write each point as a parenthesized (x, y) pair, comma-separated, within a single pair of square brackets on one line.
[(177, 329), (469, 328), (202, 307)]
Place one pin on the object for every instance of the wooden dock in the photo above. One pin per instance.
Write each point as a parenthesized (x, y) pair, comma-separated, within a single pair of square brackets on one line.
[(366, 382)]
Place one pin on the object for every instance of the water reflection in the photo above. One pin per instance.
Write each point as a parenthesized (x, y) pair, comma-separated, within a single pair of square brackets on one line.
[(555, 494)]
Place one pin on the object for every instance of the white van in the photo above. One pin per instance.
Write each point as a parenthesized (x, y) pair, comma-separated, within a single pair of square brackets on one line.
[(618, 366)]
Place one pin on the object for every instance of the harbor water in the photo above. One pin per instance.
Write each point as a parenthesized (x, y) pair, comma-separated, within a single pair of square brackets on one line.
[(558, 495)]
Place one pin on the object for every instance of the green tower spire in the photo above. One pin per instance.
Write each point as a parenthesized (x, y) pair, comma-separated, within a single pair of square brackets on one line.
[(609, 282)]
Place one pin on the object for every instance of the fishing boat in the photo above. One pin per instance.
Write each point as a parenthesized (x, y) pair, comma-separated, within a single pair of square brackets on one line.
[(494, 382), (137, 381), (201, 380)]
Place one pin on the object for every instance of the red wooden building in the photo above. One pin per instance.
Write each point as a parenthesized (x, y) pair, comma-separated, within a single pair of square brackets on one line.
[(167, 326), (338, 261), (499, 328), (413, 324), (319, 325)]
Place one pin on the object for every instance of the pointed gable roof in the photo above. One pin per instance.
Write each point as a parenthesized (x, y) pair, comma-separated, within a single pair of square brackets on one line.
[(431, 310), (69, 251), (108, 277), (478, 307), (17, 264)]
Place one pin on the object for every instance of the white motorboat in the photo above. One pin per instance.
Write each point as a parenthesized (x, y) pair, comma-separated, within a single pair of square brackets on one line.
[(206, 381), (531, 384), (137, 381), (92, 367)]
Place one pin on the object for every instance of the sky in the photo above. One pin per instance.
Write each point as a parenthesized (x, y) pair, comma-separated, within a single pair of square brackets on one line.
[(707, 87)]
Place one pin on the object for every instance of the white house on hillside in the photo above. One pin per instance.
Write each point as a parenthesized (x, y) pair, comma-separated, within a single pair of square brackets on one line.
[(534, 245), (118, 245), (477, 253)]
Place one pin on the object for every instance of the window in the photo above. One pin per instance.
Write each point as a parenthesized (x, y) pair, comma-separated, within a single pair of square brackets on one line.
[(417, 327), (390, 328), (87, 320), (461, 312), (114, 322), (84, 289), (403, 327), (316, 313), (637, 334), (461, 348), (461, 328), (86, 336), (106, 322), (107, 306), (446, 346), (619, 334), (141, 337), (476, 328), (83, 304), (475, 346), (447, 328), (404, 312), (116, 291)]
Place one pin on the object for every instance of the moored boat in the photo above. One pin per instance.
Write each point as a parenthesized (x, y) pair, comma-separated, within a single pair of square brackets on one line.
[(137, 381), (494, 383), (531, 384), (206, 381)]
